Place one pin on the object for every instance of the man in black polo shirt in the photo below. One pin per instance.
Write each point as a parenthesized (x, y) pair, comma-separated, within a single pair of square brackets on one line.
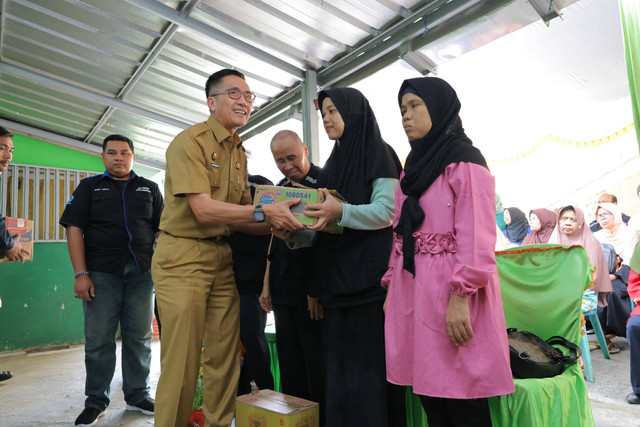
[(112, 221), (290, 289)]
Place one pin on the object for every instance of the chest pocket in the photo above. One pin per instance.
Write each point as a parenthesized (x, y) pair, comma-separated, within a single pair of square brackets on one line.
[(104, 196), (214, 178), (103, 202), (145, 201)]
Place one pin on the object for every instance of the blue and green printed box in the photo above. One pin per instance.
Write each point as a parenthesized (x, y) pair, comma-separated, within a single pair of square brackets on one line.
[(269, 194)]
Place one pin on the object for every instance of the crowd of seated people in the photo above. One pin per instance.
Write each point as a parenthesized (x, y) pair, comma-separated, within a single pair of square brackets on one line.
[(610, 241)]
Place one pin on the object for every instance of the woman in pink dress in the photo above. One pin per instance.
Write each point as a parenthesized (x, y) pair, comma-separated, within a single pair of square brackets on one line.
[(444, 326)]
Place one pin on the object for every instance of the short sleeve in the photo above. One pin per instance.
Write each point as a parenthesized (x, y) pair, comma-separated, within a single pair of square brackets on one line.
[(78, 208), (187, 166)]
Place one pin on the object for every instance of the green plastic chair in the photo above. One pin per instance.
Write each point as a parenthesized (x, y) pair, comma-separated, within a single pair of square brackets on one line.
[(542, 289)]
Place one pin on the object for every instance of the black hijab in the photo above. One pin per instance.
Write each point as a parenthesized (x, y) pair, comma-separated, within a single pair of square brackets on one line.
[(352, 263), (446, 143), (360, 156), (519, 227)]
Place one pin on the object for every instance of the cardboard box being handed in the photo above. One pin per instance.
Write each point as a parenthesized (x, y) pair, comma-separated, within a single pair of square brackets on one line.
[(269, 194)]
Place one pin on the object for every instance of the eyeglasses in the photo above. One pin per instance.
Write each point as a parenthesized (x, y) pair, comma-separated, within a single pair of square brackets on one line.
[(603, 215), (235, 93), (568, 219)]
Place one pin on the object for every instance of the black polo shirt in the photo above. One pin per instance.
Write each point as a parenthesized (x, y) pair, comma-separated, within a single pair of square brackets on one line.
[(119, 220), (292, 272)]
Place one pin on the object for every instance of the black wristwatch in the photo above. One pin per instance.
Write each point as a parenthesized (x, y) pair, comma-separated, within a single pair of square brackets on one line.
[(258, 215)]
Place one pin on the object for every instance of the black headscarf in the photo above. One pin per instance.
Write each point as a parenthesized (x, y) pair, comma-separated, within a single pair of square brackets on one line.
[(361, 156), (353, 263), (519, 227), (446, 143)]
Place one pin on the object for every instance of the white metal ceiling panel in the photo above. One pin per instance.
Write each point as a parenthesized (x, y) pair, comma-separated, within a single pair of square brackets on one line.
[(83, 69)]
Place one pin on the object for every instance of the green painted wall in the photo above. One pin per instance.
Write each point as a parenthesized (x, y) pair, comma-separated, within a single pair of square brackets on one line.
[(38, 306), (30, 151)]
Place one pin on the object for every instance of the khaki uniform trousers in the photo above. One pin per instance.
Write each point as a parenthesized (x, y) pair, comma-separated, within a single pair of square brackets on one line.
[(197, 298)]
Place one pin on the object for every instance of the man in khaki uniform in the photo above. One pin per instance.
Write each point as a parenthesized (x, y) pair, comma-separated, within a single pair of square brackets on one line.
[(206, 189)]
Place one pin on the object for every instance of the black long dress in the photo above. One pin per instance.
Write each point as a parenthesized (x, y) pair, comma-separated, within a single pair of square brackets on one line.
[(351, 266)]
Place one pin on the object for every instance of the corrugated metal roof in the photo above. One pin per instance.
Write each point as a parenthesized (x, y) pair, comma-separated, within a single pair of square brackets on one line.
[(83, 69)]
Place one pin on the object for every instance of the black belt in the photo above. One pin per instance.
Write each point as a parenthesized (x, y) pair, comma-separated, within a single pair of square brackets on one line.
[(217, 239)]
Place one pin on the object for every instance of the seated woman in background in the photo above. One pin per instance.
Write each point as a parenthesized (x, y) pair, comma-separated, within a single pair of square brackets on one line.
[(572, 230), (614, 232), (444, 327), (542, 223), (517, 225)]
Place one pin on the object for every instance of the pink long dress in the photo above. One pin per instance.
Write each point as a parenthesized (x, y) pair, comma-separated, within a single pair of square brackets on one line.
[(454, 255)]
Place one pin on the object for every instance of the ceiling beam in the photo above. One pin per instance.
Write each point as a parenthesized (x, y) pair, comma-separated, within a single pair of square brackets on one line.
[(89, 95), (296, 23), (456, 22), (391, 39), (374, 55), (249, 32), (76, 144), (341, 14), (182, 20), (144, 66), (283, 101), (3, 12), (265, 125)]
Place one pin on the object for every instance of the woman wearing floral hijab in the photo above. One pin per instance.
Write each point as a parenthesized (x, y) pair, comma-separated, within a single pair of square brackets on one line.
[(444, 326)]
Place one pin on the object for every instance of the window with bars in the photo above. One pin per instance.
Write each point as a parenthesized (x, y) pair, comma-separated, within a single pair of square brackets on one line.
[(40, 194)]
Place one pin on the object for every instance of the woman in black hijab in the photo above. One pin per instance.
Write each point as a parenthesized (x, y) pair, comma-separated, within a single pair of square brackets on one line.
[(517, 225), (444, 325), (364, 170)]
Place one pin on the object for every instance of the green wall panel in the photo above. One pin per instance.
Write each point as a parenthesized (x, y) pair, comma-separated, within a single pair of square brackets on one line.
[(38, 305), (30, 151)]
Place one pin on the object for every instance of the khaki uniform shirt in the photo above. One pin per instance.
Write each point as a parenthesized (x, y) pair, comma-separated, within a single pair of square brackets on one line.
[(204, 158)]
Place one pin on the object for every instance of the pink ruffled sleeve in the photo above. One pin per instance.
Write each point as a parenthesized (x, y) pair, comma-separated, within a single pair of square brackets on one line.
[(475, 227)]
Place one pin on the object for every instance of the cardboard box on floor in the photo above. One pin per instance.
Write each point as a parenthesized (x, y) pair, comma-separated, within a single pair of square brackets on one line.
[(23, 228), (269, 194), (268, 408)]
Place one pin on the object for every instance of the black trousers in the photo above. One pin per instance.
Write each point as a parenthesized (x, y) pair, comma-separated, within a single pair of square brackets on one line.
[(300, 353), (257, 361), (614, 316), (358, 393), (443, 412)]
